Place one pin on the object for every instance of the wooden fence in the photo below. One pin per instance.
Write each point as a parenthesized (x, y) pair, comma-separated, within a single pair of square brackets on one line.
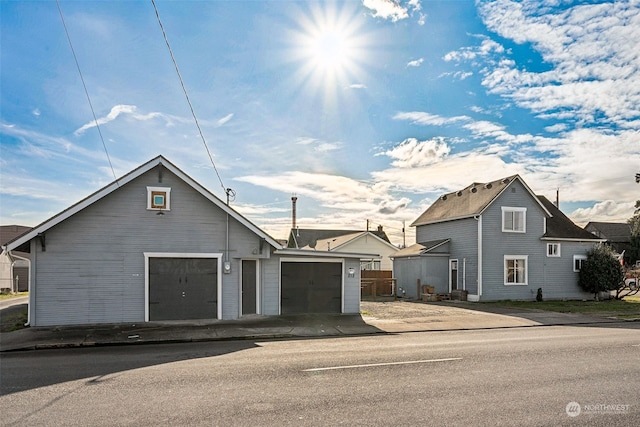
[(375, 283)]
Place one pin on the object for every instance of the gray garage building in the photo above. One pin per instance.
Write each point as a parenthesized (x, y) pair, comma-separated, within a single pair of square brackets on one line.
[(155, 245)]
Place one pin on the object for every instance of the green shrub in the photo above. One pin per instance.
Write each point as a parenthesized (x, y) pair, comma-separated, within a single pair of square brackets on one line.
[(601, 271)]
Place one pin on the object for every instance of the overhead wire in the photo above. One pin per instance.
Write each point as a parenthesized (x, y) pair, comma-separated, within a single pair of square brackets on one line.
[(95, 119), (228, 191)]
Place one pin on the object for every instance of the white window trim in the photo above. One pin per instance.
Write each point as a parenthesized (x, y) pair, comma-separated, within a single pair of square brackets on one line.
[(166, 190), (557, 254), (524, 219), (526, 269), (575, 258)]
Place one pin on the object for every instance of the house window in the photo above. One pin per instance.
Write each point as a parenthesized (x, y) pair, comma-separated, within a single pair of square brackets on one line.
[(514, 220), (515, 269), (553, 249), (158, 198), (578, 261)]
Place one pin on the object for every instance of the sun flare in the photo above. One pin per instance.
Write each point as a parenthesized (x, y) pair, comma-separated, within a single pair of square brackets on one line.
[(329, 49)]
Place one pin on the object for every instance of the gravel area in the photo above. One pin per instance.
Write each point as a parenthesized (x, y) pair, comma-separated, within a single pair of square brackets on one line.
[(400, 309)]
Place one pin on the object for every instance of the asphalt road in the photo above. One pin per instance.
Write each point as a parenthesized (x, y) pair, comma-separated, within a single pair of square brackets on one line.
[(518, 376)]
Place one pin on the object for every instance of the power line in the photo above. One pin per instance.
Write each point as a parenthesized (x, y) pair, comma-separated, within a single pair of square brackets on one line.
[(227, 191), (95, 119)]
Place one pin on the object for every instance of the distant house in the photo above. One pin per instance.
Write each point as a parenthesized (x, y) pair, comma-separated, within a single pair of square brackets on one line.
[(155, 246), (495, 240), (354, 241), (617, 234), (14, 269)]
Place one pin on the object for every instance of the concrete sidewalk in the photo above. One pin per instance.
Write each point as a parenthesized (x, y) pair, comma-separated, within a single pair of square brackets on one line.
[(377, 318)]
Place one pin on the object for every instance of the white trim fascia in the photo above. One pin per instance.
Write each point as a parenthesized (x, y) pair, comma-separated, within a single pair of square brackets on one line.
[(444, 220), (524, 184), (313, 253), (147, 255), (567, 239), (160, 160)]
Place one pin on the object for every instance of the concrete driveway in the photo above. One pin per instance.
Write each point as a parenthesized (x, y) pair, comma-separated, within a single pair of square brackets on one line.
[(406, 316)]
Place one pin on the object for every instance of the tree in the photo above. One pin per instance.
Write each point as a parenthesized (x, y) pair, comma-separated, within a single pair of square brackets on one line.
[(601, 271), (634, 252)]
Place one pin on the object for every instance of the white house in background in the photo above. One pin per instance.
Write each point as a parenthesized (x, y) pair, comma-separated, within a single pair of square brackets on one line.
[(347, 241)]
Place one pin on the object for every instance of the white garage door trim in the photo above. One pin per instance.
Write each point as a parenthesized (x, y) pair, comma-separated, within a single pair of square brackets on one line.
[(148, 255)]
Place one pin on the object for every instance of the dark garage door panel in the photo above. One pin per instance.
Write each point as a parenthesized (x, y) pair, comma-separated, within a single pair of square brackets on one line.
[(183, 288), (311, 287)]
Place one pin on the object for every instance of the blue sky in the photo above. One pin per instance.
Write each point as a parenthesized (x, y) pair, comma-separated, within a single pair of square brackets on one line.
[(366, 110)]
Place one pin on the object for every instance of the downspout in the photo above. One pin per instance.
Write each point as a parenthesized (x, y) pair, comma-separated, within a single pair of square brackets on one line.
[(479, 219), (28, 284), (464, 274)]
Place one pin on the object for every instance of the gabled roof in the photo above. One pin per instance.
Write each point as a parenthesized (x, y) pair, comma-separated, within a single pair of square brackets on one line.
[(301, 237), (418, 249), (619, 232), (470, 201), (10, 232), (336, 243), (559, 226), (158, 161)]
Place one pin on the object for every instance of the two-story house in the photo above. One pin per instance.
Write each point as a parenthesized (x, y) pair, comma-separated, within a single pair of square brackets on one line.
[(497, 241)]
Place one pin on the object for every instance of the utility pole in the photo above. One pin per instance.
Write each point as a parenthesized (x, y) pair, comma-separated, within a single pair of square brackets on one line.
[(404, 236)]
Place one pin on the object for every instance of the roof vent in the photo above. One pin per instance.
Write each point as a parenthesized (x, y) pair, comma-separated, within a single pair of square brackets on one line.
[(474, 190), (444, 197), (459, 193), (488, 186), (505, 181)]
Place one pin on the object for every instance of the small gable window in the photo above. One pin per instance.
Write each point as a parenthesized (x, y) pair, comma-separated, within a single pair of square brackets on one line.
[(553, 249), (158, 198), (514, 220)]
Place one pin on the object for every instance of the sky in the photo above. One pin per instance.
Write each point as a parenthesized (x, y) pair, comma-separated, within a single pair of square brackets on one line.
[(367, 110)]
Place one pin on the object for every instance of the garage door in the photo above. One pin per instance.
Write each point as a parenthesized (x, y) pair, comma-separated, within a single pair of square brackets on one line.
[(183, 288), (311, 287)]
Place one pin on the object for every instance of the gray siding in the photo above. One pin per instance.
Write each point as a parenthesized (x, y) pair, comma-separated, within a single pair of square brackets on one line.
[(93, 268), (560, 281), (463, 247), (431, 270), (270, 271), (496, 244), (351, 287)]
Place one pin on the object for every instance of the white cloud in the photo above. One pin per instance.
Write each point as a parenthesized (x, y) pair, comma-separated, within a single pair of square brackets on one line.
[(117, 111), (415, 63), (413, 153), (225, 119), (422, 118), (592, 52), (607, 211), (558, 127), (386, 9), (357, 86)]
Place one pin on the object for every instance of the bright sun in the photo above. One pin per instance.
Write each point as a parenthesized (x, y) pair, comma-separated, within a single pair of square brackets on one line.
[(329, 49)]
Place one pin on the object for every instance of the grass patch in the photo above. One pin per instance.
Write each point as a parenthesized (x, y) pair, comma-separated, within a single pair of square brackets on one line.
[(16, 295), (13, 319), (630, 307)]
